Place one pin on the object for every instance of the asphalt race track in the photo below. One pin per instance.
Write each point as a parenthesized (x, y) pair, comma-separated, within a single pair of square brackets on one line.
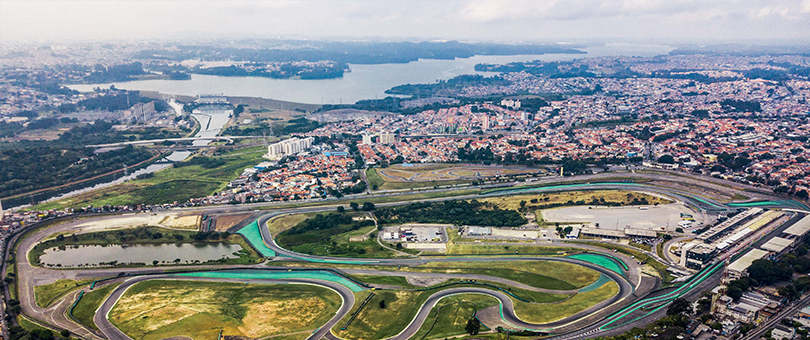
[(607, 317)]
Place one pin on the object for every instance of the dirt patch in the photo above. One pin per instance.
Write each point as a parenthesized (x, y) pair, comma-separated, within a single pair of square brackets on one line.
[(183, 222), (424, 281), (274, 316), (226, 222)]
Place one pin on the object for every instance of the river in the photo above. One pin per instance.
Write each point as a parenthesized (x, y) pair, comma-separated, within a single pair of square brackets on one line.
[(363, 82), (93, 255)]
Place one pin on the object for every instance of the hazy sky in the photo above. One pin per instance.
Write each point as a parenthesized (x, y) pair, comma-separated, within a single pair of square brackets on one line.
[(479, 20)]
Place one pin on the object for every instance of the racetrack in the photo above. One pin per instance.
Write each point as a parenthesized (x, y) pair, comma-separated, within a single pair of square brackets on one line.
[(577, 325)]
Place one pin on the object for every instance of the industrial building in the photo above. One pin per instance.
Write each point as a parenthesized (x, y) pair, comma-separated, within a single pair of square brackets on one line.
[(478, 231), (618, 234)]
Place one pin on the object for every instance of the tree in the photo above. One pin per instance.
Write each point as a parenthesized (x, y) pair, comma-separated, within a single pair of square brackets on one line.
[(802, 194), (678, 306), (64, 333), (354, 206), (666, 159), (735, 293), (368, 206), (382, 304), (341, 209), (473, 326), (789, 292)]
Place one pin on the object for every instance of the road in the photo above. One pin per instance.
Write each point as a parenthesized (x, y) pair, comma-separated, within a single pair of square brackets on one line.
[(785, 313)]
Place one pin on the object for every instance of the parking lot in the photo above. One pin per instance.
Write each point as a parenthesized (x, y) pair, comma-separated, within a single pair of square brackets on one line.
[(619, 218)]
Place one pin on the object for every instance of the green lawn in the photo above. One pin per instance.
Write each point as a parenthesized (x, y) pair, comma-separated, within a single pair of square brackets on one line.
[(46, 295), (159, 309), (385, 280), (331, 237), (641, 246), (450, 315), (541, 274), (87, 306), (401, 306), (513, 249), (374, 322), (30, 325), (542, 313), (168, 185), (374, 178)]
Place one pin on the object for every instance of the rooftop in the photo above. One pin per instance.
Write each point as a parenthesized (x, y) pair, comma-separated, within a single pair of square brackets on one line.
[(776, 244), (799, 228), (745, 261)]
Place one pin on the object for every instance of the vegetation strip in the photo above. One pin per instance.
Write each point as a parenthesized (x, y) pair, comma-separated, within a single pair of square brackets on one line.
[(354, 315)]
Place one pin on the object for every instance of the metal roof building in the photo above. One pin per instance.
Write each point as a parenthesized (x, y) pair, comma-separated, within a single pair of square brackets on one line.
[(605, 233), (640, 233), (777, 245), (737, 269), (799, 228)]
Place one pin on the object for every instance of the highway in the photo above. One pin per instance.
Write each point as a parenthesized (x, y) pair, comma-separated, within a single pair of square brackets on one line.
[(607, 317)]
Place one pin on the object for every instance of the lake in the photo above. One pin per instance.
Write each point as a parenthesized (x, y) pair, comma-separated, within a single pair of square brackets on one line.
[(363, 82), (74, 256)]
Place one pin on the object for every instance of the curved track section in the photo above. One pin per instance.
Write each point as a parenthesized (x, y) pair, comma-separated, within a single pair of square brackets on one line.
[(113, 333), (597, 318)]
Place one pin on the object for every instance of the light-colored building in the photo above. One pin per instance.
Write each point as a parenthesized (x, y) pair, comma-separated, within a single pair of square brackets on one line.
[(782, 332), (368, 139), (511, 103), (479, 231), (288, 147), (739, 268), (387, 138), (777, 245)]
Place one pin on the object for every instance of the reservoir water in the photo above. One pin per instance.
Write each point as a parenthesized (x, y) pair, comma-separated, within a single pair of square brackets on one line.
[(363, 82), (93, 255)]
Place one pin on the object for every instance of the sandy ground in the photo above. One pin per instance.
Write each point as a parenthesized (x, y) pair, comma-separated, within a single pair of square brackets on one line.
[(608, 218), (423, 281), (168, 220)]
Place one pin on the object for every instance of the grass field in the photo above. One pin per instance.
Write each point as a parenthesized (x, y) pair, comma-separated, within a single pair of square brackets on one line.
[(542, 313), (374, 322), (168, 185), (87, 306), (30, 325), (541, 274), (282, 223), (46, 295), (641, 246), (516, 249), (449, 317), (165, 308), (398, 177), (620, 197)]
